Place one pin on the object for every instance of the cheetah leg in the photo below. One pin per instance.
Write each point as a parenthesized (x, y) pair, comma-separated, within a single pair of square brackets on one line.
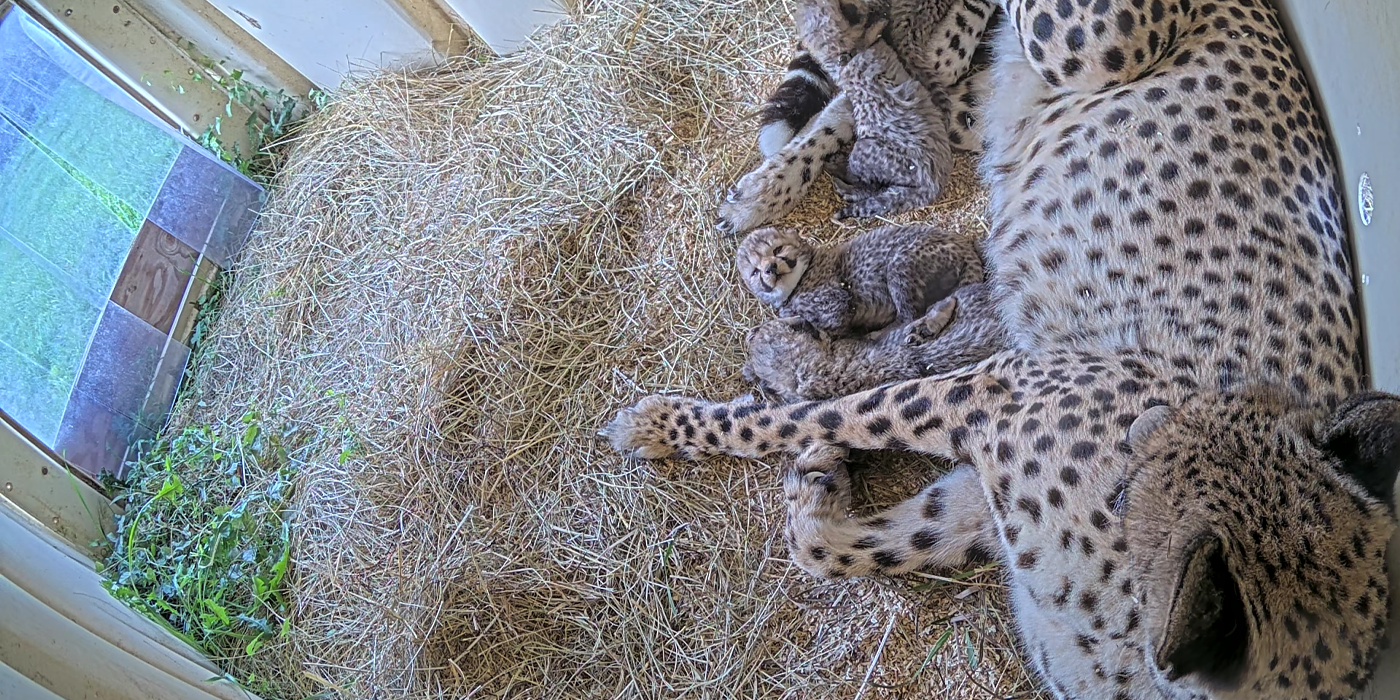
[(959, 265), (933, 323), (1087, 47), (780, 182), (956, 56), (946, 526), (935, 416), (922, 329)]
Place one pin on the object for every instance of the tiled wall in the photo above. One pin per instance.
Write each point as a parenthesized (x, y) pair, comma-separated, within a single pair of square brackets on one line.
[(111, 225)]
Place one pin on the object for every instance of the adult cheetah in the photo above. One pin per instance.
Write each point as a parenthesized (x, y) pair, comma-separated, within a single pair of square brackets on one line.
[(1170, 264)]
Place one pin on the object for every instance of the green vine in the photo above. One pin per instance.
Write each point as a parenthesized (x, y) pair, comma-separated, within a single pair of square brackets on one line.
[(273, 114)]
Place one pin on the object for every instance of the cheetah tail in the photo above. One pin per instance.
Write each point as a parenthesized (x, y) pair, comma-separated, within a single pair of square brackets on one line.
[(966, 97), (804, 92), (948, 525), (934, 415)]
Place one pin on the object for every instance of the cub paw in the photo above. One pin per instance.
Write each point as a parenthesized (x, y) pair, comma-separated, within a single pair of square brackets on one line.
[(644, 429), (869, 204), (933, 323), (851, 192)]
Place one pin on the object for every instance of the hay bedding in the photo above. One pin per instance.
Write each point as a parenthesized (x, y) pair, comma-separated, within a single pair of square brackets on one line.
[(463, 273)]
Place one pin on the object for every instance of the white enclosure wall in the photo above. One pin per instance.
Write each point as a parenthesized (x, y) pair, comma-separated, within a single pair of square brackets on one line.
[(62, 636)]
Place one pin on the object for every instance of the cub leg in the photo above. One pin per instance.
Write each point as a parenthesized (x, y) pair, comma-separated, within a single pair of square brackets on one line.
[(901, 150), (928, 269), (975, 334)]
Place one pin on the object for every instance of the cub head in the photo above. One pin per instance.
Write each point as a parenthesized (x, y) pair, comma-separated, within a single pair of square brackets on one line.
[(1257, 532), (835, 30), (782, 353), (772, 261)]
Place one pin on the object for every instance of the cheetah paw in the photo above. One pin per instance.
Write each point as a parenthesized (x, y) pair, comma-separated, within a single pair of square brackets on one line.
[(750, 203), (818, 483), (641, 431)]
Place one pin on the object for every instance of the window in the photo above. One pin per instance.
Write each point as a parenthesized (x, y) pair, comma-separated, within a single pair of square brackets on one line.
[(110, 223)]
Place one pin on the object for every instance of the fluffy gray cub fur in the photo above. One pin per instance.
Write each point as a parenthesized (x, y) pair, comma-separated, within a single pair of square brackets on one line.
[(933, 43), (887, 275), (794, 361), (901, 157)]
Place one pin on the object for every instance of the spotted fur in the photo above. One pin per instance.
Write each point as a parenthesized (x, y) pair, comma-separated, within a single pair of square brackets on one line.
[(934, 42), (792, 360), (804, 92), (1167, 245), (888, 275)]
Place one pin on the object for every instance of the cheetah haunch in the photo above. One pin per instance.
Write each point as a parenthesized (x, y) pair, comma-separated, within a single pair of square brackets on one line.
[(1167, 246)]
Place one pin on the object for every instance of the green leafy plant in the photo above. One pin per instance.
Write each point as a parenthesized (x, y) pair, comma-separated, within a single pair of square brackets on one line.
[(272, 115), (204, 544)]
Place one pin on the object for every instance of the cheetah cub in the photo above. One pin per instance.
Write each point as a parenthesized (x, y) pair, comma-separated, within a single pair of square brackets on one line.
[(793, 360), (901, 156), (887, 275), (883, 71)]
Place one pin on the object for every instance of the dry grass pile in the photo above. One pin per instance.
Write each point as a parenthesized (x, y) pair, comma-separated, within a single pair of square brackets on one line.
[(464, 273)]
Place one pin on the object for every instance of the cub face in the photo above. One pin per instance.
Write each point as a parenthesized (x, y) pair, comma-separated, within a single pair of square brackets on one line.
[(771, 262)]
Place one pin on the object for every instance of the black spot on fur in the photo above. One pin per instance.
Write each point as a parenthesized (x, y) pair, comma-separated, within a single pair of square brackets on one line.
[(831, 420), (925, 539)]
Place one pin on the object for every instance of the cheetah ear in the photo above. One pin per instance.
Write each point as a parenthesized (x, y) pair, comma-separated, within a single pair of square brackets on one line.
[(1206, 633), (1365, 438), (1147, 423)]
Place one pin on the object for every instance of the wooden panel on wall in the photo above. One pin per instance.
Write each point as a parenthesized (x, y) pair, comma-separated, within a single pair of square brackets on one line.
[(153, 281), (145, 62), (204, 277)]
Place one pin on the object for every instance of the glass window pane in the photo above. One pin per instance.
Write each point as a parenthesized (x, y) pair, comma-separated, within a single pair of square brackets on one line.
[(118, 151), (44, 332), (64, 222), (91, 285)]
